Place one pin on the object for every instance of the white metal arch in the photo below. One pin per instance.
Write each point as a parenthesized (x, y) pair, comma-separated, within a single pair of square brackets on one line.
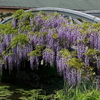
[(93, 12), (66, 12)]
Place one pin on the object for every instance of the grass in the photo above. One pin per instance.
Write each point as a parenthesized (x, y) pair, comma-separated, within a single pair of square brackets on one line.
[(79, 94), (85, 91)]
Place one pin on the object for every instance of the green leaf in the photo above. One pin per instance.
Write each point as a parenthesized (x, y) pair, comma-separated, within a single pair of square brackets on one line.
[(91, 52), (75, 62), (55, 35), (18, 13), (20, 39), (65, 53), (36, 52)]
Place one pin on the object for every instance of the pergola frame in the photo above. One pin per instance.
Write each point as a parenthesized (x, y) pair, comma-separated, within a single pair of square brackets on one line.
[(72, 14)]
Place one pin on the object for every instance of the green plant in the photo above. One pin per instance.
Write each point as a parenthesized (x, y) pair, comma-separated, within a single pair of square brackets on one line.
[(85, 91), (5, 93), (86, 95), (33, 94)]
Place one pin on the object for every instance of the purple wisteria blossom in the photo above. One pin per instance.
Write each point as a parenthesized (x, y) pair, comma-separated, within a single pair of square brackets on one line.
[(52, 33)]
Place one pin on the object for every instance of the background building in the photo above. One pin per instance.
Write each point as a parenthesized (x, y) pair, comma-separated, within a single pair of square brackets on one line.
[(12, 5), (87, 6)]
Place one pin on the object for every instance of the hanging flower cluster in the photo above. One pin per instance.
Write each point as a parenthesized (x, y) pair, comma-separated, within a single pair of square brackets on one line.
[(52, 40)]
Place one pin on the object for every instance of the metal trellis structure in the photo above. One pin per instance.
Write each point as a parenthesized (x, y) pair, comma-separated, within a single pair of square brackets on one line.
[(71, 14)]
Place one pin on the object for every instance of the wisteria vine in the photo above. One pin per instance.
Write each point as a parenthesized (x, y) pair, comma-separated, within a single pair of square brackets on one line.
[(50, 39)]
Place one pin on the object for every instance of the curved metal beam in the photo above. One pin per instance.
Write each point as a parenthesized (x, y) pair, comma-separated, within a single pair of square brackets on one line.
[(93, 12), (63, 11), (6, 20), (68, 12)]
